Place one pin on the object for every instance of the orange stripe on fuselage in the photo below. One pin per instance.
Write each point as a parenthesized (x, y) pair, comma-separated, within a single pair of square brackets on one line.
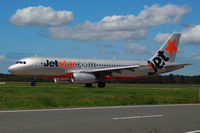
[(120, 77), (68, 75)]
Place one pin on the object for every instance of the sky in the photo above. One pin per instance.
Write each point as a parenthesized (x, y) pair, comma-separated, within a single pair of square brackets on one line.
[(122, 29)]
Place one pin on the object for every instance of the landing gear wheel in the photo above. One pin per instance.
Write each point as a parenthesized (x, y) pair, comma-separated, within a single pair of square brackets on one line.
[(101, 84), (88, 85), (33, 83)]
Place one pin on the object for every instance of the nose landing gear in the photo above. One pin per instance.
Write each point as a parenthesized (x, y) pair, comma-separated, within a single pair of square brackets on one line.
[(33, 83)]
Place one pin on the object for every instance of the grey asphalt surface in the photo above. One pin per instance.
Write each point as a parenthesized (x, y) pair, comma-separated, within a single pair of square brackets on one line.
[(136, 119)]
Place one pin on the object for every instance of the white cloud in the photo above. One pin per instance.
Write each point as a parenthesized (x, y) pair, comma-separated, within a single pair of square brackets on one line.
[(83, 32), (161, 37), (188, 25), (104, 45), (41, 16), (129, 27), (106, 52), (190, 35), (136, 48), (195, 56), (3, 58)]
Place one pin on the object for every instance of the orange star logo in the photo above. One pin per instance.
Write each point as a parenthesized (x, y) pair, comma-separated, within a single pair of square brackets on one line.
[(171, 47)]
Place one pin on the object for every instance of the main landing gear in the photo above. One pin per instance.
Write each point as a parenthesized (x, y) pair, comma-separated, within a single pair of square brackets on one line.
[(88, 85), (33, 83), (100, 85)]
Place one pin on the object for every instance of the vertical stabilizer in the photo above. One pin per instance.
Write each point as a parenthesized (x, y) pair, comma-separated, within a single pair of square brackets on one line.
[(166, 53), (170, 47)]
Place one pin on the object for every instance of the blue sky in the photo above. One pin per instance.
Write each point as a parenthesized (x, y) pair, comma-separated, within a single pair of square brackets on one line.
[(98, 29)]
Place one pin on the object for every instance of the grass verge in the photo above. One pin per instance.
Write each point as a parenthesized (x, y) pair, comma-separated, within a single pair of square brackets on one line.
[(20, 95)]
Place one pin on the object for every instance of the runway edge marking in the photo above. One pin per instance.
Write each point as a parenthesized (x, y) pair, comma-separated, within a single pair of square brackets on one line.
[(195, 131), (94, 108), (137, 117)]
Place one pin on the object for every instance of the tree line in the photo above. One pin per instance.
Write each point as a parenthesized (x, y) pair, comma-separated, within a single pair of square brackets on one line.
[(160, 79), (163, 79)]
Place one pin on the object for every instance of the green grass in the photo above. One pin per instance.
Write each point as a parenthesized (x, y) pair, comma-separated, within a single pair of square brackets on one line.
[(20, 95)]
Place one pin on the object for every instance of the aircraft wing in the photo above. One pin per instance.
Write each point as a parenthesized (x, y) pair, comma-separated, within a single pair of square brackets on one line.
[(131, 68), (113, 69)]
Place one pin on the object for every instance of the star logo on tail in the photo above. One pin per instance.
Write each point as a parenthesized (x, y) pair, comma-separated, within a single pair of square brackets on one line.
[(171, 47)]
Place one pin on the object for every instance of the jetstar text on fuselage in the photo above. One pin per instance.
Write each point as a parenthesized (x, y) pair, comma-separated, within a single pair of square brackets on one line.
[(56, 63)]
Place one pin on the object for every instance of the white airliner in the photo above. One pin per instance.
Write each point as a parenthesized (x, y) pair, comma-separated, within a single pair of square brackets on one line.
[(88, 71)]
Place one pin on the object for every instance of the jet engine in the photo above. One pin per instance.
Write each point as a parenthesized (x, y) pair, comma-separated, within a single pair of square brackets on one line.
[(62, 80), (83, 78)]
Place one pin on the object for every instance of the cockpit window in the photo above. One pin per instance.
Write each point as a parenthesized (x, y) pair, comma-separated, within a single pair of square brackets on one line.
[(20, 62)]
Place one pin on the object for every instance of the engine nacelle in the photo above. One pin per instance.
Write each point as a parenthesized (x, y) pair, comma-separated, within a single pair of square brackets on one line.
[(83, 78), (62, 80)]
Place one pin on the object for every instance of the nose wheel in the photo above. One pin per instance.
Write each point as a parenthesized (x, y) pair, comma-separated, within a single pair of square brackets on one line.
[(33, 83)]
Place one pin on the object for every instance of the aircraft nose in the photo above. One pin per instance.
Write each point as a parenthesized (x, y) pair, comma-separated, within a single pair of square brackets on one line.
[(12, 69)]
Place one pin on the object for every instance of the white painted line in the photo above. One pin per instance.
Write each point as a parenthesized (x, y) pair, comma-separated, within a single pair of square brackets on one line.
[(137, 117), (95, 108), (196, 131)]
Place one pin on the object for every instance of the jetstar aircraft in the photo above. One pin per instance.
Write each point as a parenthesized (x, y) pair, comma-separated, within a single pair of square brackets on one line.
[(88, 71)]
